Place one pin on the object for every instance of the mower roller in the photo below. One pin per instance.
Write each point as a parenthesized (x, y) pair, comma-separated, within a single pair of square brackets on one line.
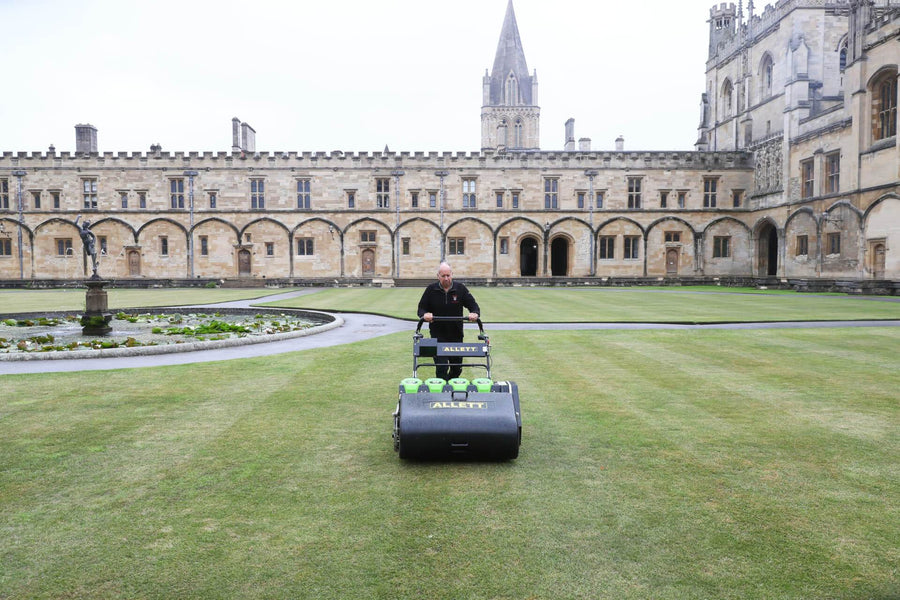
[(460, 418)]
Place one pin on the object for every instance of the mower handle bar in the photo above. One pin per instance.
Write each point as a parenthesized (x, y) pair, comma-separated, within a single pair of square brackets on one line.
[(463, 319)]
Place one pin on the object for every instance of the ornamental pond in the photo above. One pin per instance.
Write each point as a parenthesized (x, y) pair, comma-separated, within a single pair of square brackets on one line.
[(28, 335)]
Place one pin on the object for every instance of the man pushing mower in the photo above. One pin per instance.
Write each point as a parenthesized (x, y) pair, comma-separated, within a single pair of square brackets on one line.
[(448, 416), (444, 298)]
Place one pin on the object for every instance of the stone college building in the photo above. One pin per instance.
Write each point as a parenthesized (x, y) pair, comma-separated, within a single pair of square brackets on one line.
[(794, 177)]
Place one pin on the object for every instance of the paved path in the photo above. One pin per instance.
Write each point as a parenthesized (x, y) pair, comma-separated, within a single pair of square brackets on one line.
[(359, 327)]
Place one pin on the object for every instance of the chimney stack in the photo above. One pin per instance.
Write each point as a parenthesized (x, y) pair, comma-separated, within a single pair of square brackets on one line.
[(584, 144), (235, 135), (85, 138), (248, 137), (243, 137), (620, 144), (570, 135)]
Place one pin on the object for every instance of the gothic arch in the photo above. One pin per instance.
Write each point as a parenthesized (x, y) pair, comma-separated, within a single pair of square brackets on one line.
[(228, 224), (888, 196), (842, 53), (843, 204), (422, 219), (14, 225), (333, 228), (177, 225), (279, 224), (560, 245), (727, 99), (662, 220), (118, 221), (766, 74), (503, 133), (842, 42), (884, 71), (15, 221), (40, 238), (410, 222), (625, 219), (761, 222), (464, 219), (376, 222), (722, 219), (881, 241), (519, 218), (766, 236), (882, 102), (426, 243), (561, 220), (528, 245), (50, 221), (800, 258), (511, 89), (800, 211)]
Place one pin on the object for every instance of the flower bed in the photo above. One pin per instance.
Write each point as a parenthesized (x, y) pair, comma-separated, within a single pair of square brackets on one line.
[(63, 333)]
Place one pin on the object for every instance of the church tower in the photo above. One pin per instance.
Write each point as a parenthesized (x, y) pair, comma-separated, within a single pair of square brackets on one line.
[(510, 116)]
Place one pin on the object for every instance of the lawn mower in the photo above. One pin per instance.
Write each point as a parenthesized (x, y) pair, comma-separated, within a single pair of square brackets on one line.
[(460, 418)]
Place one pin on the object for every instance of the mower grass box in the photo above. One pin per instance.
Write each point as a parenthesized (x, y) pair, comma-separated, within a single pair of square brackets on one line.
[(437, 419)]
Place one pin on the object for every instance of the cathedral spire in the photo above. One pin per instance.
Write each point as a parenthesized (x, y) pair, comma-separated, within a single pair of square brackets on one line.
[(510, 81), (510, 117)]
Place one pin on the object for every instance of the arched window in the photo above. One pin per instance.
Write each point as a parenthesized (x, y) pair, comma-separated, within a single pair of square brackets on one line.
[(727, 99), (518, 133), (884, 105), (842, 58), (502, 134), (512, 90), (766, 72)]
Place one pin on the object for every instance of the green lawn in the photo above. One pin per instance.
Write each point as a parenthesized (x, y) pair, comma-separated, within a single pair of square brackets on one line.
[(19, 301), (655, 464), (508, 304), (671, 305)]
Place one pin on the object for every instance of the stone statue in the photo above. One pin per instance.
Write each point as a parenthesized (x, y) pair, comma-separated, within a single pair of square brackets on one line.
[(89, 240)]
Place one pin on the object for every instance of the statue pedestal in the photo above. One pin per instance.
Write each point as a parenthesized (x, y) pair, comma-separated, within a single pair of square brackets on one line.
[(96, 317)]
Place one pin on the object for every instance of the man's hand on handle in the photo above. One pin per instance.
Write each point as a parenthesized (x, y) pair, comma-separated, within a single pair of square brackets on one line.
[(429, 317)]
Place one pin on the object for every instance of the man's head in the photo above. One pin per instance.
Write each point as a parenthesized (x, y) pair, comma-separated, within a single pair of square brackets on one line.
[(445, 276)]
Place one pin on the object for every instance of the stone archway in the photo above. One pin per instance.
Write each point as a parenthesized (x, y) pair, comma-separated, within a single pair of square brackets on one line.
[(528, 256), (767, 255), (559, 257)]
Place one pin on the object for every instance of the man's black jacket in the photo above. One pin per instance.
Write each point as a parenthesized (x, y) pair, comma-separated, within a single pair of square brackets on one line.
[(447, 304)]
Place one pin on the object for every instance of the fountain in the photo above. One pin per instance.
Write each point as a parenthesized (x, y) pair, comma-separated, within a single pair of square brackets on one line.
[(47, 335), (96, 317)]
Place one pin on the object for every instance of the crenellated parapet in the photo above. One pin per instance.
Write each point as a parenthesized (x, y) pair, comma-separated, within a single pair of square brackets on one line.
[(377, 160), (759, 25)]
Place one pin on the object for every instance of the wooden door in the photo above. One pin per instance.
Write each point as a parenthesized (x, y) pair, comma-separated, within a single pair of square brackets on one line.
[(243, 263), (134, 263), (368, 263), (671, 261), (879, 259)]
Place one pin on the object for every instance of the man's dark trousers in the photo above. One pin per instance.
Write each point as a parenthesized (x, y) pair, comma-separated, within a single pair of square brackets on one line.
[(452, 365)]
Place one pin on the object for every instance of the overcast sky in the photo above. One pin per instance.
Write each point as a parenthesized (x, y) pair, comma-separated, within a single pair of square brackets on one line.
[(352, 75)]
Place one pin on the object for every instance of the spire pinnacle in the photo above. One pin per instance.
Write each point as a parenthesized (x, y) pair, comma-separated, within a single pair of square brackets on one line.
[(510, 62)]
